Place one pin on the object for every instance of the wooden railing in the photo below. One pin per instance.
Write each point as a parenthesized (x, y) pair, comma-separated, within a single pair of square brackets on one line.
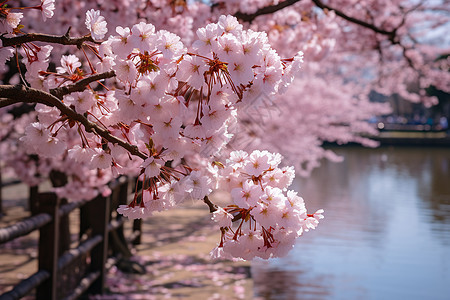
[(66, 272)]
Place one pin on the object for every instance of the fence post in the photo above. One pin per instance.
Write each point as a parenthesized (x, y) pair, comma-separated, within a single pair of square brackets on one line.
[(137, 223), (84, 222), (59, 179), (137, 226), (48, 245), (98, 213), (64, 223), (33, 202), (118, 241)]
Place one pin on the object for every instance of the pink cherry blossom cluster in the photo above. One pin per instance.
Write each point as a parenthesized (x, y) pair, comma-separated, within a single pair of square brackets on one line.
[(180, 103), (174, 104), (269, 217)]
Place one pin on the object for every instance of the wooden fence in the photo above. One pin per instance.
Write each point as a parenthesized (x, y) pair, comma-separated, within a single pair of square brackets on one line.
[(65, 272)]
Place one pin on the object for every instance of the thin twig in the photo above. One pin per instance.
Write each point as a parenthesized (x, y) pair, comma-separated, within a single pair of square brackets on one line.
[(212, 207), (81, 84), (264, 10), (47, 38)]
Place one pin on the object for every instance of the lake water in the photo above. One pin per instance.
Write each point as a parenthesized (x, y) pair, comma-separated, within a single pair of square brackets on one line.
[(386, 232)]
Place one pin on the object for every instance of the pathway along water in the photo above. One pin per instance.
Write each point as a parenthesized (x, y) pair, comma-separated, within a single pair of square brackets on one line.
[(386, 232)]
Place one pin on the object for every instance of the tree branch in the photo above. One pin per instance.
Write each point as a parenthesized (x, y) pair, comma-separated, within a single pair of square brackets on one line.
[(391, 34), (372, 27), (80, 85), (274, 8), (7, 102), (54, 39), (264, 10), (212, 207), (10, 94)]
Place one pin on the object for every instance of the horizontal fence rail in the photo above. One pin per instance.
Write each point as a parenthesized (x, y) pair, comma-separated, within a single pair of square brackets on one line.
[(65, 273), (24, 227), (26, 285)]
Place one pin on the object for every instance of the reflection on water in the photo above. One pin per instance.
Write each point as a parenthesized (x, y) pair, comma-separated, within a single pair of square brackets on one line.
[(386, 232)]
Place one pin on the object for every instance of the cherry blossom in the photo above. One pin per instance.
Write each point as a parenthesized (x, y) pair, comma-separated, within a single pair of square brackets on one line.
[(152, 166), (10, 21), (222, 217), (5, 54), (96, 24), (47, 7)]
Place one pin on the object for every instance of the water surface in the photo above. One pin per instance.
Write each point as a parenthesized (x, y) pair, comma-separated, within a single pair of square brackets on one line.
[(386, 232)]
